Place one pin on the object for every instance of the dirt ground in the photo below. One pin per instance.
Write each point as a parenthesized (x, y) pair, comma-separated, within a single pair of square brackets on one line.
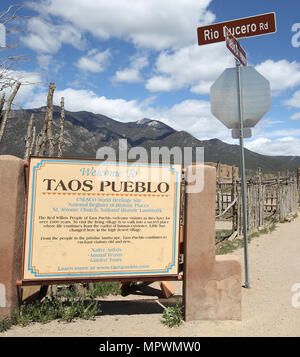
[(274, 265)]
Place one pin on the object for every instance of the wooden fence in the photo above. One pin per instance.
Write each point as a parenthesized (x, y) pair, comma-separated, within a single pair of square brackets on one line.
[(277, 197)]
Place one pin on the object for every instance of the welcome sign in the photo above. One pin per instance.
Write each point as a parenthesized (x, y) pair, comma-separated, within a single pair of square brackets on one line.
[(100, 219)]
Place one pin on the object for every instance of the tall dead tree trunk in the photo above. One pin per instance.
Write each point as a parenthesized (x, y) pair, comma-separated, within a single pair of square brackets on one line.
[(28, 138), (42, 137), (61, 130), (39, 140), (2, 101), (7, 111), (32, 141), (49, 113)]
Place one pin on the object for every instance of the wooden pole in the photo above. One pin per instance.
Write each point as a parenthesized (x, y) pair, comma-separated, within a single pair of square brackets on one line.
[(278, 198)]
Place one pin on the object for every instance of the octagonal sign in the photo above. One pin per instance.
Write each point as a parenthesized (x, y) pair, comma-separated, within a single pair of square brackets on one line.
[(256, 97)]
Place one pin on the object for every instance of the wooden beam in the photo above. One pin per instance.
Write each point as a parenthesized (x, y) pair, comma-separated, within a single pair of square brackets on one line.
[(166, 288)]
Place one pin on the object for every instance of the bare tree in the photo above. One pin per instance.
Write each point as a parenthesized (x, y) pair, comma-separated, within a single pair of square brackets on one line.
[(8, 108), (10, 22), (32, 141), (2, 101), (9, 19), (28, 138), (40, 139), (49, 113), (61, 129), (41, 144)]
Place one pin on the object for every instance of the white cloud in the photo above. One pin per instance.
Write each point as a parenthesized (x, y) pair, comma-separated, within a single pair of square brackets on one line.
[(132, 73), (44, 37), (268, 140), (162, 83), (294, 101), (95, 61), (191, 66), (202, 88), (283, 132), (264, 126), (281, 74), (193, 116), (129, 75), (78, 100), (288, 145), (295, 116), (44, 61), (154, 24)]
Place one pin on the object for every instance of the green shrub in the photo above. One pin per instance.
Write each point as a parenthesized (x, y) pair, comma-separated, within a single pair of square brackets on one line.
[(104, 289), (5, 325), (272, 227), (54, 308), (173, 316), (67, 306)]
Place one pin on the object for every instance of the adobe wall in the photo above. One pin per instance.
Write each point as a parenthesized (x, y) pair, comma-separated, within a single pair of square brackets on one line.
[(12, 208), (212, 284)]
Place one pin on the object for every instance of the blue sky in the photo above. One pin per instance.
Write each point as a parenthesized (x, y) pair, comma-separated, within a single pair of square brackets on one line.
[(130, 59)]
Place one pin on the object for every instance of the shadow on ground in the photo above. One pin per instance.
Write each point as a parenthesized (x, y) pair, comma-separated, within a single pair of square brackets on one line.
[(136, 307), (153, 303)]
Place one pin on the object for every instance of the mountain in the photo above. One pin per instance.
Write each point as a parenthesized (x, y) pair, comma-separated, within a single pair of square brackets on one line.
[(85, 132)]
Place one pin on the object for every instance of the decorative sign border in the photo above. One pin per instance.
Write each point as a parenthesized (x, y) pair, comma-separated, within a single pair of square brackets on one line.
[(36, 164)]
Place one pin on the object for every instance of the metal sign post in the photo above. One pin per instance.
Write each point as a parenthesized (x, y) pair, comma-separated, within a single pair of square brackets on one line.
[(239, 99), (236, 110), (243, 178)]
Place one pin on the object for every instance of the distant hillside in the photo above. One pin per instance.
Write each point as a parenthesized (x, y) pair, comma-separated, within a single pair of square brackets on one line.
[(85, 132)]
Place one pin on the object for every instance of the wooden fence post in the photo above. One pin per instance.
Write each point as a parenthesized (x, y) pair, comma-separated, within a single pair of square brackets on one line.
[(235, 206), (278, 198)]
